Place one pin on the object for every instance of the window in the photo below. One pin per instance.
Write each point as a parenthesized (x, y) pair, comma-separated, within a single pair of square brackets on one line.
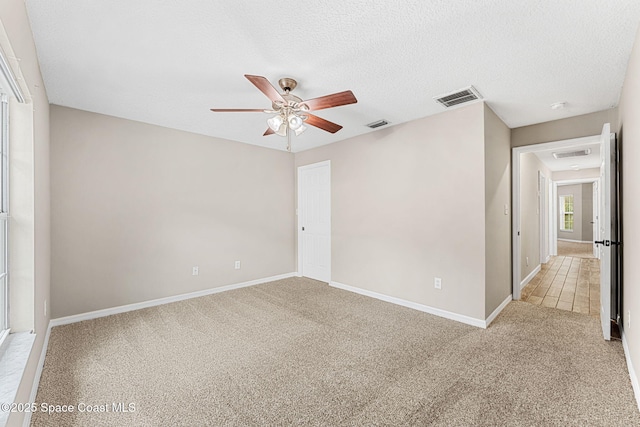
[(9, 90), (566, 213)]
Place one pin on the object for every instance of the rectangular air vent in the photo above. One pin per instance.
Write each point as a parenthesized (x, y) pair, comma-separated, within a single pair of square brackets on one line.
[(572, 154), (458, 97), (378, 123)]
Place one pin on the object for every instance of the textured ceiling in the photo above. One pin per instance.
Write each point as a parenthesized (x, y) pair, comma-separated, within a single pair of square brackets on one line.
[(168, 62)]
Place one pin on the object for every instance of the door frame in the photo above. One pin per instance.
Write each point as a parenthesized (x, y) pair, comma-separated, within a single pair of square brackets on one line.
[(543, 216), (596, 217), (516, 250), (553, 220), (299, 239), (555, 212)]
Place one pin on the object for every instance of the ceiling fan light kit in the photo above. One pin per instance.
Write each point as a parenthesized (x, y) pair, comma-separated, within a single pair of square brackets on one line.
[(291, 111)]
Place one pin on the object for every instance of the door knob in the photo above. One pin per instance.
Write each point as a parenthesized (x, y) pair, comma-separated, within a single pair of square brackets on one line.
[(302, 228)]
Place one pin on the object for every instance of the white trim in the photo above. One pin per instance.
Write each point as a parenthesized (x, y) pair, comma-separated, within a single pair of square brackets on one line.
[(563, 143), (632, 372), (36, 378), (3, 336), (10, 79), (160, 301), (530, 276), (499, 309), (16, 357), (515, 223), (554, 217), (420, 307), (574, 241), (542, 214)]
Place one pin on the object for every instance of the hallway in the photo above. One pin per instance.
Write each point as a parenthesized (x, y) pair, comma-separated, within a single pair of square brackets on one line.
[(567, 283)]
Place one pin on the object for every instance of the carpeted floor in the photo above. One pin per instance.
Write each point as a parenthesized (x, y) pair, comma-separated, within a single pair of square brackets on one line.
[(575, 250), (298, 352)]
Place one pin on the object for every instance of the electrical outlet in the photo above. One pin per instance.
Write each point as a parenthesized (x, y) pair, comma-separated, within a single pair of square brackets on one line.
[(45, 308), (237, 266), (195, 271), (527, 259), (437, 283)]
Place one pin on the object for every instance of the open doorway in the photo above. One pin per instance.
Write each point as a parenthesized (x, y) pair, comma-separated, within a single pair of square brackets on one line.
[(553, 190), (583, 173), (577, 212), (537, 171)]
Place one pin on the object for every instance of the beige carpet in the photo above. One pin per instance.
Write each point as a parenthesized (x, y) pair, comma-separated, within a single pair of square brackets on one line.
[(297, 352), (575, 250)]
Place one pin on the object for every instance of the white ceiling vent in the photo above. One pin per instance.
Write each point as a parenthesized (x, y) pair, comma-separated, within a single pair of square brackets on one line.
[(578, 153), (458, 97), (378, 123)]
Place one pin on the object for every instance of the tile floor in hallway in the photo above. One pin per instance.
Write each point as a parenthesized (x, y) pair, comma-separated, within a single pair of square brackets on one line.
[(567, 283)]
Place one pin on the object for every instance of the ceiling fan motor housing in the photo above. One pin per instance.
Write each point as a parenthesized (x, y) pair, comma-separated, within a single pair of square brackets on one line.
[(287, 84)]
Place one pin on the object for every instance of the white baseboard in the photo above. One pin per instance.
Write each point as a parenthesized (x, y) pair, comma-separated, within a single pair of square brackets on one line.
[(632, 372), (530, 276), (160, 301), (497, 311), (36, 378), (425, 308)]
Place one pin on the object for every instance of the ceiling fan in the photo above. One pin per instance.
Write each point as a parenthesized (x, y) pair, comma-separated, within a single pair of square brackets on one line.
[(291, 112)]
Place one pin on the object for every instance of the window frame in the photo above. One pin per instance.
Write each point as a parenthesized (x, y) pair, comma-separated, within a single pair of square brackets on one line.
[(564, 213), (4, 218)]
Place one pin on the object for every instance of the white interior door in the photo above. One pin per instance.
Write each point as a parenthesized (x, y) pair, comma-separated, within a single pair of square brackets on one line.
[(604, 243), (314, 221)]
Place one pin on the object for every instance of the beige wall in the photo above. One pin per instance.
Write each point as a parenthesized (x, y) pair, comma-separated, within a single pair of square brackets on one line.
[(530, 165), (497, 175), (576, 191), (587, 212), (18, 39), (136, 206), (557, 130), (408, 205), (629, 135)]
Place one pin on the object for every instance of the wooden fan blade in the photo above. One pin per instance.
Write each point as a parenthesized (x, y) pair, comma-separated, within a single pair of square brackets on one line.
[(321, 123), (237, 110), (268, 132), (265, 87), (329, 101)]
